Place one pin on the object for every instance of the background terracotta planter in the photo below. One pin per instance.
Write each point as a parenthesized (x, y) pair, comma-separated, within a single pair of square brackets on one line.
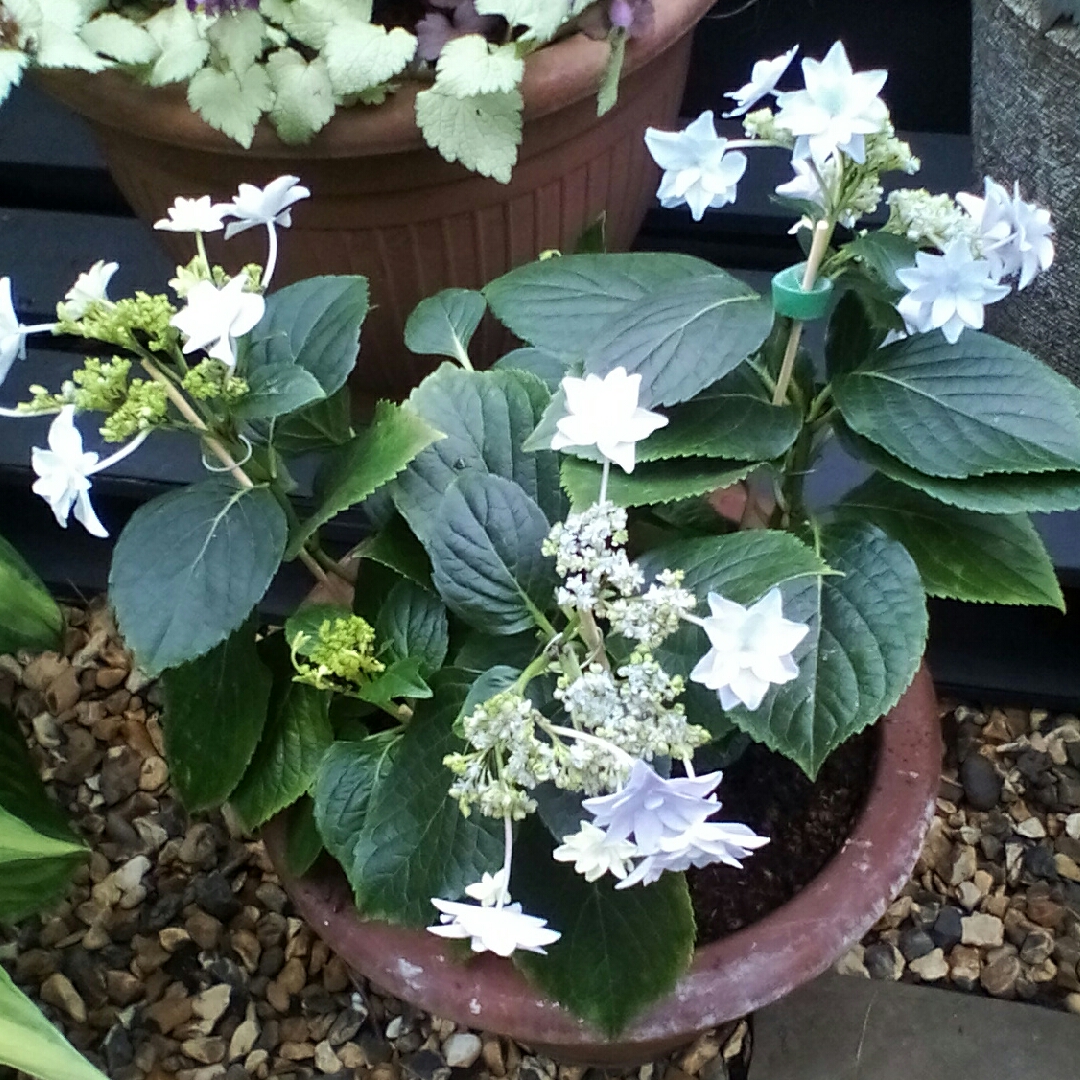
[(730, 978), (386, 206)]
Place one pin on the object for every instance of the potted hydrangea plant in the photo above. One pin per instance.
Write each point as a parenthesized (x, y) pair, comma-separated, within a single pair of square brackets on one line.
[(366, 100), (545, 711)]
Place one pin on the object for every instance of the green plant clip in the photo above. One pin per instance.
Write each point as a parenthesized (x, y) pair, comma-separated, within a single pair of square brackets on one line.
[(792, 300)]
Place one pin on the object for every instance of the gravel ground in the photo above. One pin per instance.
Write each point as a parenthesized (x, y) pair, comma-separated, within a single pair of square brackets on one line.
[(177, 954)]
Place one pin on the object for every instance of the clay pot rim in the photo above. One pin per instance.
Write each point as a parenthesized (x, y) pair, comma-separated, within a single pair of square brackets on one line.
[(556, 76), (728, 979)]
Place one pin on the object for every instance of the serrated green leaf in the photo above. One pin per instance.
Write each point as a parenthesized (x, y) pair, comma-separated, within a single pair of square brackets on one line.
[(480, 652), (549, 368), (182, 41), (655, 482), (483, 132), (868, 628), (28, 1041), (400, 680), (278, 389), (239, 37), (360, 54), (980, 558), (995, 493), (486, 416), (29, 617), (365, 463), (395, 547), (230, 102), (303, 625), (485, 553), (119, 38), (189, 567), (303, 95), (470, 65), (54, 30), (411, 810), (321, 425), (444, 324), (609, 81), (679, 321), (412, 623), (857, 327), (620, 950), (227, 689), (542, 17), (979, 406), (314, 323), (884, 253), (296, 736)]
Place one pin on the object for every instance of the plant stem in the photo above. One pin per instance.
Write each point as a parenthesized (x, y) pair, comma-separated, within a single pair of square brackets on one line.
[(822, 234), (594, 640), (604, 474)]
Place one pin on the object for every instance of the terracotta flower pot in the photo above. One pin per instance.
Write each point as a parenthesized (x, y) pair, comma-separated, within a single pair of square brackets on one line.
[(385, 205), (729, 978)]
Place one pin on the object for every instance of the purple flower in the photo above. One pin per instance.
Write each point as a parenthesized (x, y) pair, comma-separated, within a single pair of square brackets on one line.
[(435, 30), (633, 16)]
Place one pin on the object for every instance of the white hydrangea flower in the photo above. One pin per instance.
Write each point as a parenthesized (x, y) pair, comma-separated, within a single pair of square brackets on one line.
[(763, 79), (604, 412), (193, 215), (699, 169), (492, 890), (933, 220), (501, 930), (751, 649), (837, 109), (594, 853), (89, 287), (12, 334), (213, 317), (948, 292), (703, 843), (64, 472), (267, 206), (1015, 234)]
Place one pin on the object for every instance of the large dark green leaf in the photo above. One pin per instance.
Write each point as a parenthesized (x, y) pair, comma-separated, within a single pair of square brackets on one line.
[(189, 567), (396, 548), (227, 689), (679, 321), (485, 551), (29, 617), (548, 367), (983, 558), (410, 810), (363, 464), (884, 253), (314, 324), (857, 327), (444, 324), (652, 482), (277, 389), (486, 417), (867, 634), (620, 950), (979, 406), (412, 623), (321, 425)]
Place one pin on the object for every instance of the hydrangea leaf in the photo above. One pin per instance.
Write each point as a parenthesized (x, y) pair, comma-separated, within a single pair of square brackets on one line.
[(650, 483), (239, 37), (12, 64), (119, 38), (412, 623), (980, 558), (303, 95), (444, 324), (542, 17), (469, 65), (231, 103), (360, 55), (182, 41), (29, 617), (483, 132)]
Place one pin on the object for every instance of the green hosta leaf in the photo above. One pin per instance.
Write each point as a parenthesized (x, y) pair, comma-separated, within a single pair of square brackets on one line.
[(984, 558), (21, 790), (182, 42), (303, 844), (609, 81), (548, 367), (542, 17), (483, 132), (365, 463), (658, 482), (395, 547), (228, 689), (321, 425), (411, 810), (867, 634), (445, 323), (486, 416), (189, 567), (314, 323), (995, 493), (469, 65), (28, 1041), (620, 950), (680, 321), (979, 406), (413, 623), (230, 102), (360, 55), (303, 95), (296, 736), (29, 617), (346, 778), (485, 551), (277, 389), (119, 38)]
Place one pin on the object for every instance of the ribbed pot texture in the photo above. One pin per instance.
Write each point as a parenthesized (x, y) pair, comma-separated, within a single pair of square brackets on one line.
[(742, 972), (1025, 87), (385, 205)]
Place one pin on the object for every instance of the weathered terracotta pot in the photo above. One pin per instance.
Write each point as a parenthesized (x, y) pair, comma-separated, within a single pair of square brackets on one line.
[(729, 978), (385, 205)]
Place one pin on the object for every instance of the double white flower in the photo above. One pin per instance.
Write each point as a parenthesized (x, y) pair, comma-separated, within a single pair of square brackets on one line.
[(213, 317)]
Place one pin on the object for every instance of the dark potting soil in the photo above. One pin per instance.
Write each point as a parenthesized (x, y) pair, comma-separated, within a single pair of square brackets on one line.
[(806, 821)]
